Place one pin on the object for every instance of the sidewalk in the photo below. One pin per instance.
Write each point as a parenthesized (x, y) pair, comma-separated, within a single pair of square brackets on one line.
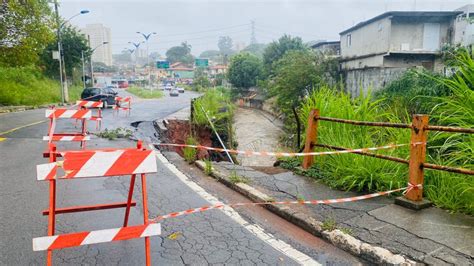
[(431, 236)]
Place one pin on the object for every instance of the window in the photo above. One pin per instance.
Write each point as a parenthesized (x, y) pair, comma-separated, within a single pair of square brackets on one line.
[(349, 40)]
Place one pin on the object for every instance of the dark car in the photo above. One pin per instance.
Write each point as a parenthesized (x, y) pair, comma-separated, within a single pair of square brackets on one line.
[(105, 95)]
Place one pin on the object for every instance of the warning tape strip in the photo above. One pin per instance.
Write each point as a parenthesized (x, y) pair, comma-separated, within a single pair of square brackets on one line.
[(283, 154), (94, 237), (123, 99), (303, 202)]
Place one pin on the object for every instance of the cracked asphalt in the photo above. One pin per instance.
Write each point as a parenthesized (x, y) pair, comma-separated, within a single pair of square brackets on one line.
[(198, 239)]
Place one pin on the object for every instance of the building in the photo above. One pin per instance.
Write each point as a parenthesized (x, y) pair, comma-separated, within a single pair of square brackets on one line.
[(332, 48), (179, 70), (379, 50), (217, 69), (463, 26), (99, 34)]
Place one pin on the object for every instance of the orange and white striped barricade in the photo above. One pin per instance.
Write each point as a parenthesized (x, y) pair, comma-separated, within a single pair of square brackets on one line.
[(97, 163), (123, 103), (84, 104), (82, 114)]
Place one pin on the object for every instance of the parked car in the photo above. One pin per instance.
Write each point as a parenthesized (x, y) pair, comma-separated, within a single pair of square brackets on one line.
[(105, 95), (180, 89), (174, 93), (168, 87)]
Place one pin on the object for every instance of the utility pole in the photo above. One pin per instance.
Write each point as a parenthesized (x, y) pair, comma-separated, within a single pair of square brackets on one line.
[(83, 70), (90, 62), (59, 50), (253, 39)]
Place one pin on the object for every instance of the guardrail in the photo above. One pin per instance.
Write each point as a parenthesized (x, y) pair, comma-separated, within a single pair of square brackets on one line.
[(416, 162)]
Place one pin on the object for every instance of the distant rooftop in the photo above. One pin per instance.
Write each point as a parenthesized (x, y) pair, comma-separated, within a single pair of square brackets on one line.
[(321, 43), (403, 14)]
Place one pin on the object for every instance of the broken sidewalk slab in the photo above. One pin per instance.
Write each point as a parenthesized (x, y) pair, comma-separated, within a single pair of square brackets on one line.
[(455, 231), (377, 223)]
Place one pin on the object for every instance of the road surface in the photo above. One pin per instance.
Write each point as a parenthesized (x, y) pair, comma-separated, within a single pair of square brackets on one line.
[(245, 237)]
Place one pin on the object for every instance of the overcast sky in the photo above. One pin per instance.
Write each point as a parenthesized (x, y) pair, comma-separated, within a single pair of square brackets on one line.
[(202, 22)]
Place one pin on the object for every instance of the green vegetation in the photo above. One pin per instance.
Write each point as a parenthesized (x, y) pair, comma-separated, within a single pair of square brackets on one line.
[(216, 103), (208, 167), (28, 86), (181, 53), (448, 100), (234, 178), (244, 70), (190, 153), (277, 49), (115, 133), (145, 93), (329, 225), (28, 74)]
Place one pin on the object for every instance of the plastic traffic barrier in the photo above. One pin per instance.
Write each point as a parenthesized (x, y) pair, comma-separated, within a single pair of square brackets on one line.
[(90, 164)]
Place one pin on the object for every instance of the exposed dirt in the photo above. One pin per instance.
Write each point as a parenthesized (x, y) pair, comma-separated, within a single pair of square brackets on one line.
[(270, 170)]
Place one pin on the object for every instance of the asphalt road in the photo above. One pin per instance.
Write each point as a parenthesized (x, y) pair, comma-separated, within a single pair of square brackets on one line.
[(214, 237)]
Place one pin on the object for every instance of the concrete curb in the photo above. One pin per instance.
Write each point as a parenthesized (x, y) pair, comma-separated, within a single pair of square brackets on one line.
[(338, 238)]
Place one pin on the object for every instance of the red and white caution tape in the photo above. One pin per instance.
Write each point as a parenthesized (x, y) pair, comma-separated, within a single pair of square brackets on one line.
[(90, 104), (310, 202), (66, 113), (94, 237), (80, 164), (283, 154), (52, 128)]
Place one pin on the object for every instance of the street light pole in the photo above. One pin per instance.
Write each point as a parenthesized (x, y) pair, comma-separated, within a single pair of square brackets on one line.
[(136, 53), (147, 36), (92, 65)]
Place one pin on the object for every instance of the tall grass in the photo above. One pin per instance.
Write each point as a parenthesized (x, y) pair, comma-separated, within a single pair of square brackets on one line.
[(28, 86), (350, 171), (454, 191)]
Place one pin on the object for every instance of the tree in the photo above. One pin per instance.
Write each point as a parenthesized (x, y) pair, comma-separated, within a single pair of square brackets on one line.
[(25, 30), (180, 53), (73, 43), (256, 49), (295, 75), (244, 70), (277, 49), (225, 44)]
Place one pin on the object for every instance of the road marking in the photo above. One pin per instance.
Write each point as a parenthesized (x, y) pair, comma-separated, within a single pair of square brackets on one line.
[(256, 230), (20, 127)]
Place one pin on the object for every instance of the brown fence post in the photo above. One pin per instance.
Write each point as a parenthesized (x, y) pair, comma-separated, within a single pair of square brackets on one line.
[(311, 137), (419, 135)]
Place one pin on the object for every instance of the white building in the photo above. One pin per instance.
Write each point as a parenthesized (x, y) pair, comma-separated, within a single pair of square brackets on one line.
[(99, 34), (379, 50)]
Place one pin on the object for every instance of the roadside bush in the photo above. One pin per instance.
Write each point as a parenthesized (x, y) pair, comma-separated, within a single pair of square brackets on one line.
[(216, 103), (414, 92)]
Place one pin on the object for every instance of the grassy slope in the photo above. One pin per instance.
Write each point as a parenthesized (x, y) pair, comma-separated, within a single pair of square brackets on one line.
[(27, 86), (146, 93)]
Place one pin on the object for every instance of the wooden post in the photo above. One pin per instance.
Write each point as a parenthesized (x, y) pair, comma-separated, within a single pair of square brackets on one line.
[(311, 137), (419, 135)]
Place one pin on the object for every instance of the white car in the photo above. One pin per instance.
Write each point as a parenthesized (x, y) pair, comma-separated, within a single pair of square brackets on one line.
[(168, 87), (180, 90), (174, 93)]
